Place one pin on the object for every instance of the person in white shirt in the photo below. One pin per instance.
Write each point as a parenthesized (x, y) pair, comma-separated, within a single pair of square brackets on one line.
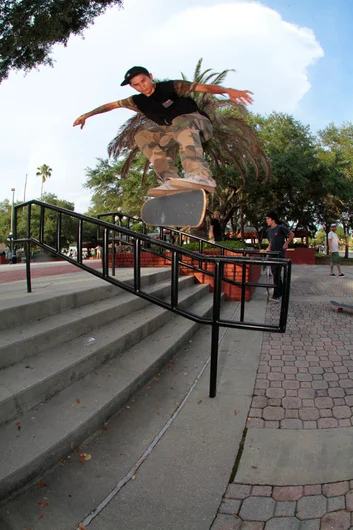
[(333, 244)]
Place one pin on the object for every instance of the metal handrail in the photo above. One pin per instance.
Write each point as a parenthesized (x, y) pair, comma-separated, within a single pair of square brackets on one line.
[(137, 239)]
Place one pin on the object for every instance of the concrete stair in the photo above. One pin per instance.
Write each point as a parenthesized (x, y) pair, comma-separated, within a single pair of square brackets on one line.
[(69, 362)]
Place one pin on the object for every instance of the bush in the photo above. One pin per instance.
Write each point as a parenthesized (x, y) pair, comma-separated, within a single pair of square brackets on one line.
[(233, 245)]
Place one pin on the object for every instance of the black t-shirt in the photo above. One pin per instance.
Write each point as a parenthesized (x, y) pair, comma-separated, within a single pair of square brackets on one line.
[(217, 234), (277, 237), (165, 104)]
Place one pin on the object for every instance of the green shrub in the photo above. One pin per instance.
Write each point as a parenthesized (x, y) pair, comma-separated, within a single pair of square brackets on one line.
[(233, 245)]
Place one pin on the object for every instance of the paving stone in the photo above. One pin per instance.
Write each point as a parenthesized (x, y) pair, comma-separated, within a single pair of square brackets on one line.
[(285, 509), (255, 423), (255, 413), (349, 500), (313, 489), (261, 491), (291, 424), (273, 413), (336, 503), (259, 402), (320, 385), (311, 507), (309, 413), (341, 412), (327, 423), (323, 402), (344, 423), (287, 493), (257, 509), (293, 385), (336, 521), (275, 376), (274, 402), (305, 377), (306, 393), (226, 522), (238, 491), (275, 393), (312, 524), (348, 400), (335, 489), (271, 424), (230, 506), (252, 525), (325, 413), (283, 523), (308, 403), (291, 403), (291, 414)]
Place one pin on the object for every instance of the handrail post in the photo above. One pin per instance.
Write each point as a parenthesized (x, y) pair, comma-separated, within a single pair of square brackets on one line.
[(79, 241), (217, 292), (105, 252), (41, 225), (175, 280), (28, 249), (113, 247), (243, 292), (137, 264), (58, 231)]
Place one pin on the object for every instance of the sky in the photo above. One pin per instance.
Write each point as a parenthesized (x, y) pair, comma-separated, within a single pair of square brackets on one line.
[(294, 55)]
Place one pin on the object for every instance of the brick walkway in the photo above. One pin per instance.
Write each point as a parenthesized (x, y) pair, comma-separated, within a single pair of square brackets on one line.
[(304, 381)]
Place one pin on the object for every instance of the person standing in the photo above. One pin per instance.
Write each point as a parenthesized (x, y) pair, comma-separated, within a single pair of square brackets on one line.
[(216, 230), (279, 237), (333, 245)]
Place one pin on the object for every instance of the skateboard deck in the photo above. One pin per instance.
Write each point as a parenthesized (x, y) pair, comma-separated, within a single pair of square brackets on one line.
[(186, 208), (341, 307)]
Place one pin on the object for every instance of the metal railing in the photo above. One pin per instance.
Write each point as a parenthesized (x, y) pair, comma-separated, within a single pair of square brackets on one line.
[(111, 233)]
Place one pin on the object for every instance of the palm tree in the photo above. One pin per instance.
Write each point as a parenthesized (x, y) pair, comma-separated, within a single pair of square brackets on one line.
[(45, 172)]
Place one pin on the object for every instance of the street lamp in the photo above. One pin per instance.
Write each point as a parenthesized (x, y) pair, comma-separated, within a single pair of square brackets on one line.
[(12, 223)]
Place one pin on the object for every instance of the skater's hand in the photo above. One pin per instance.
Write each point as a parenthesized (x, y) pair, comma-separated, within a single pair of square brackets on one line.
[(240, 96), (80, 121)]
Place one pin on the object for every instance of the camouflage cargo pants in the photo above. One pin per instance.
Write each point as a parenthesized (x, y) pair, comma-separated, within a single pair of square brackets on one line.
[(187, 132)]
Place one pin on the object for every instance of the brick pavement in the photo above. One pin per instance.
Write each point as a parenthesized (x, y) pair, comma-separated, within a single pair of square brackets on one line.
[(304, 381)]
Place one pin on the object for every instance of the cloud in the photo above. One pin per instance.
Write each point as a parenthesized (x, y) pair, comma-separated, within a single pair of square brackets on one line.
[(272, 58)]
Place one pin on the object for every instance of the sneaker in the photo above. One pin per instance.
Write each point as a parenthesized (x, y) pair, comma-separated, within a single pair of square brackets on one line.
[(275, 300), (192, 182), (332, 274), (341, 274), (164, 189)]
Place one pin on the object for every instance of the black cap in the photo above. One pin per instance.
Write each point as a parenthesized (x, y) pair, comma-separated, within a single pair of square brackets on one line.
[(135, 70)]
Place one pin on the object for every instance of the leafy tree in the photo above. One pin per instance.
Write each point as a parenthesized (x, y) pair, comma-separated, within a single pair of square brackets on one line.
[(29, 29), (5, 221), (44, 172), (336, 148), (111, 192), (69, 226)]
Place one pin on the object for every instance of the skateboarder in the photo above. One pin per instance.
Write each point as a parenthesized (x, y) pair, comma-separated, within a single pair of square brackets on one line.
[(177, 122)]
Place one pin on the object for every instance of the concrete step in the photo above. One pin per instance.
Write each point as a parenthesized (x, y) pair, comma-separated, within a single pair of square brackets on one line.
[(48, 432), (26, 385), (26, 340), (82, 290)]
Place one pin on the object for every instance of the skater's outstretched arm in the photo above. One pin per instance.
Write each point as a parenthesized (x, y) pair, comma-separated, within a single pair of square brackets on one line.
[(123, 103), (237, 96)]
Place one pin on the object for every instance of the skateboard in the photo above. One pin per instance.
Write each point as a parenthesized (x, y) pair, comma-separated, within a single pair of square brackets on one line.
[(341, 307), (185, 208)]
